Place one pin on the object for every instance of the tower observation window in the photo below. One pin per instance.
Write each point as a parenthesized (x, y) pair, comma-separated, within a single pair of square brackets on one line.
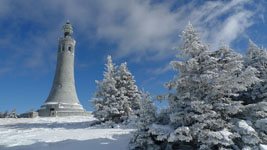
[(63, 48), (70, 49)]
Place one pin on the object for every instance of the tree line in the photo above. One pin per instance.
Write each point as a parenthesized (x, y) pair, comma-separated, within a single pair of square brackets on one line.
[(13, 114)]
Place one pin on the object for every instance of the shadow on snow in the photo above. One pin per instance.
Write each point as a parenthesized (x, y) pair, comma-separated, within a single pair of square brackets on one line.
[(119, 142), (66, 125)]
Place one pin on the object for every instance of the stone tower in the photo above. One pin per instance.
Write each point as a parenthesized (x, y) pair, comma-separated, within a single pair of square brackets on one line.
[(63, 100)]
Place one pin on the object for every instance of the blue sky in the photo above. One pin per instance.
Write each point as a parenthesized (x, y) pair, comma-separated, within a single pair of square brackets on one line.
[(140, 32)]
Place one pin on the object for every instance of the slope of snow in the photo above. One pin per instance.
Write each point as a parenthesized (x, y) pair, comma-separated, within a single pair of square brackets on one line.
[(66, 133)]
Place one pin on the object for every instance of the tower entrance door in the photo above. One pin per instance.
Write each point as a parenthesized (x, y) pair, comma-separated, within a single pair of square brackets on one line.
[(52, 112)]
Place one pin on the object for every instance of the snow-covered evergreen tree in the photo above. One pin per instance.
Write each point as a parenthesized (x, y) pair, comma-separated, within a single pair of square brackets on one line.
[(256, 116), (107, 103), (201, 110), (128, 90), (13, 114), (141, 139), (204, 85), (257, 58), (252, 125), (117, 96)]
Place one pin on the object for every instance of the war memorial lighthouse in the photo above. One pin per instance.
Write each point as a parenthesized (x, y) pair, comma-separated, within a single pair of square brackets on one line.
[(63, 100)]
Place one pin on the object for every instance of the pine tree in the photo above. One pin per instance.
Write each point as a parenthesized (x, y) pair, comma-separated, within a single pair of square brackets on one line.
[(13, 114), (256, 116), (232, 76), (125, 83), (204, 85), (257, 58), (106, 107), (201, 109), (141, 139), (252, 125), (117, 95)]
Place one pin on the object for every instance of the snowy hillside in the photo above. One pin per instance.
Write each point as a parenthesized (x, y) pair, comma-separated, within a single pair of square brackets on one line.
[(66, 133)]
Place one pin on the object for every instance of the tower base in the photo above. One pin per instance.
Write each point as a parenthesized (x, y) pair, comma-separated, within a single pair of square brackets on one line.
[(62, 109)]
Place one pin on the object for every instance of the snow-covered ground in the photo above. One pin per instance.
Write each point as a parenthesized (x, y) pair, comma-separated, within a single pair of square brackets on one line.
[(61, 133)]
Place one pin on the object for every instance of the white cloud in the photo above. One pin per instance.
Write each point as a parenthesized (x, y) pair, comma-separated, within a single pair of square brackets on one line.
[(233, 27), (145, 29), (161, 70), (138, 28), (223, 22)]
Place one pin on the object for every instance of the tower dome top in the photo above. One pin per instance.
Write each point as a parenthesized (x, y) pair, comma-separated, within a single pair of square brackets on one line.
[(67, 29)]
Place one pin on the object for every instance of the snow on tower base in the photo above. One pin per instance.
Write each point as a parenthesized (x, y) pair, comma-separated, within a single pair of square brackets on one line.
[(63, 100), (62, 109)]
